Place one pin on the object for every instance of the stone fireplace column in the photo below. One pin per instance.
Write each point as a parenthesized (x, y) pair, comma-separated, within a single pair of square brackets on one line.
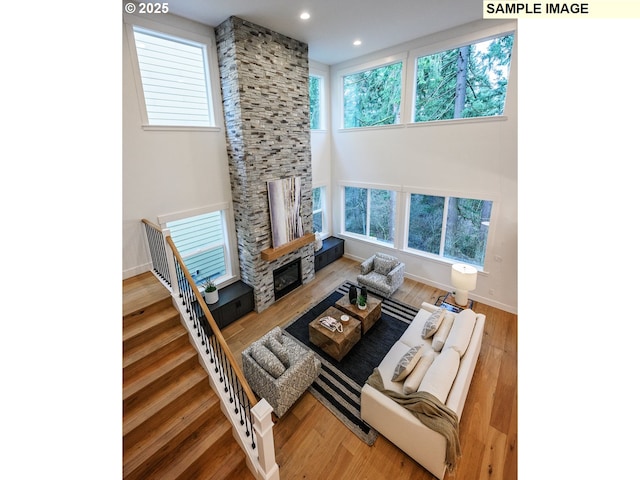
[(265, 91)]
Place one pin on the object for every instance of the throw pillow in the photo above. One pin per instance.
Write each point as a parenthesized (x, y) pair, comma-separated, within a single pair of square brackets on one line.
[(407, 363), (414, 379), (432, 323), (267, 360), (443, 332), (441, 374), (383, 264), (279, 351), (461, 332)]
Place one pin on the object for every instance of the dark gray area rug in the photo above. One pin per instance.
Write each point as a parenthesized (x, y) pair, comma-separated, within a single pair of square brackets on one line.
[(340, 382)]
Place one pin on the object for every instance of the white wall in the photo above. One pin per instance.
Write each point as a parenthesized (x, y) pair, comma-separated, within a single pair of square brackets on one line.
[(321, 139), (165, 172), (476, 158)]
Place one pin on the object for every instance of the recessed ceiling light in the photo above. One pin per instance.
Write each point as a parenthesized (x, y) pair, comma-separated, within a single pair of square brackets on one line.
[(305, 16), (357, 42)]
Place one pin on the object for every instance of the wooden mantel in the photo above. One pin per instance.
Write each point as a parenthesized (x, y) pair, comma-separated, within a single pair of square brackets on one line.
[(271, 254)]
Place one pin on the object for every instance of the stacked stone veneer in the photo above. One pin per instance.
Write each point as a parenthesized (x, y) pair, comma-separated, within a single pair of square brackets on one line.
[(265, 93)]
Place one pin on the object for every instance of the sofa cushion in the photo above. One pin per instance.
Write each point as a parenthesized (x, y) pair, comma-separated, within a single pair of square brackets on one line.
[(267, 360), (412, 382), (383, 264), (461, 331), (441, 374), (407, 363), (442, 333), (279, 350), (432, 323)]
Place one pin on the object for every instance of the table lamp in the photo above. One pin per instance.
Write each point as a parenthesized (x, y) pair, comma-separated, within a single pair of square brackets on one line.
[(463, 279)]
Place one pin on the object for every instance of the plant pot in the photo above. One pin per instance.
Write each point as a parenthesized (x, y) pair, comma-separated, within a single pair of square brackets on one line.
[(211, 297), (362, 307)]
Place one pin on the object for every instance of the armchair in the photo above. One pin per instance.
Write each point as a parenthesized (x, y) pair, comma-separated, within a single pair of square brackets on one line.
[(282, 373), (381, 274)]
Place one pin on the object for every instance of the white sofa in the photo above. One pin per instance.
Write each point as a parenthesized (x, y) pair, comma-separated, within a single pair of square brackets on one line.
[(446, 379)]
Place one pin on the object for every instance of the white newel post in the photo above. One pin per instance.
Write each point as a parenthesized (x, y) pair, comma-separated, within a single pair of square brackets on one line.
[(173, 275), (263, 427)]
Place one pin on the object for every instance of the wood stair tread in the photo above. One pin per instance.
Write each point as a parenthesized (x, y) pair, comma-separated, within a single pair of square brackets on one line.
[(171, 366), (151, 347), (168, 436), (199, 451), (222, 463), (190, 384), (147, 322), (142, 292)]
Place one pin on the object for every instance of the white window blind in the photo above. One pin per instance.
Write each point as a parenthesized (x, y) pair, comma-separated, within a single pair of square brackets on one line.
[(201, 243), (175, 79)]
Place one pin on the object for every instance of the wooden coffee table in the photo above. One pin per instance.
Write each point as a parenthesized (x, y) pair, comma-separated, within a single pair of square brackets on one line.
[(369, 316), (335, 344)]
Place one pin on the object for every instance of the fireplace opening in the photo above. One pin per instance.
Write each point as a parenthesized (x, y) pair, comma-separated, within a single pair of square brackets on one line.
[(287, 278)]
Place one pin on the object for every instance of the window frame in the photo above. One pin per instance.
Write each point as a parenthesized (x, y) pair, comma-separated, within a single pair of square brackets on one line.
[(212, 73), (367, 238), (428, 51), (372, 65), (322, 71), (228, 242), (322, 210), (447, 196), (321, 103), (476, 36)]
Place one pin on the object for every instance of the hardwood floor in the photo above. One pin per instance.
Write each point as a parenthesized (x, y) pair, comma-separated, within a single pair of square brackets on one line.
[(311, 443)]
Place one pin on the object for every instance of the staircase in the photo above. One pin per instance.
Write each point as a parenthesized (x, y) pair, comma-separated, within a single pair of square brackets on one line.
[(172, 424)]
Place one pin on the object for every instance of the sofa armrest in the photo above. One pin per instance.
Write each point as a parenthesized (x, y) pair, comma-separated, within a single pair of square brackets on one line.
[(367, 265), (305, 366), (396, 276)]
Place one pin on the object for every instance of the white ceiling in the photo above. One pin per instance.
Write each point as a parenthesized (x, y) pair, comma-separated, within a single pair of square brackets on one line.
[(335, 24)]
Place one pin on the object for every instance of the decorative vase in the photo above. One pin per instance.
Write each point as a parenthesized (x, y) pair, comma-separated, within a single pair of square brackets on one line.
[(211, 297), (353, 295)]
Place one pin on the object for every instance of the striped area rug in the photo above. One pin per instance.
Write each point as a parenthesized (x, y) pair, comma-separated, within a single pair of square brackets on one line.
[(340, 382)]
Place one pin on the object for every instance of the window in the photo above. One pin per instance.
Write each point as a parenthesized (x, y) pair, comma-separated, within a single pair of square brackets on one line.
[(454, 228), (315, 89), (470, 81), (201, 241), (372, 97), (175, 79), (370, 212), (319, 222)]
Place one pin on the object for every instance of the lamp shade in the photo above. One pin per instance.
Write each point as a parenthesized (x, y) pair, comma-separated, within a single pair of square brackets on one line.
[(463, 277)]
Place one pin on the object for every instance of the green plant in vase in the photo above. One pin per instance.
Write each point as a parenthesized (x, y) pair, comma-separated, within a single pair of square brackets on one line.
[(210, 291), (362, 302)]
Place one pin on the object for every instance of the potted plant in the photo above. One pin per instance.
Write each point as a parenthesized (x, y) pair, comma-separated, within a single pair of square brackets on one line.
[(210, 291), (362, 302)]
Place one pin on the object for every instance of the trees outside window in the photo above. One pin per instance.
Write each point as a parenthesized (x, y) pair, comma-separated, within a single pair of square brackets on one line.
[(425, 223), (454, 228), (465, 82), (315, 84), (370, 212), (319, 210), (467, 230), (372, 97)]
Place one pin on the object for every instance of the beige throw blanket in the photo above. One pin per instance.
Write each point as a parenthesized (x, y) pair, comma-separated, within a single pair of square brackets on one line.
[(431, 412)]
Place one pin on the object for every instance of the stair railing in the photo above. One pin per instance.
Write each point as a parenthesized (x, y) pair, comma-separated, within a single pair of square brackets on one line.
[(251, 420)]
